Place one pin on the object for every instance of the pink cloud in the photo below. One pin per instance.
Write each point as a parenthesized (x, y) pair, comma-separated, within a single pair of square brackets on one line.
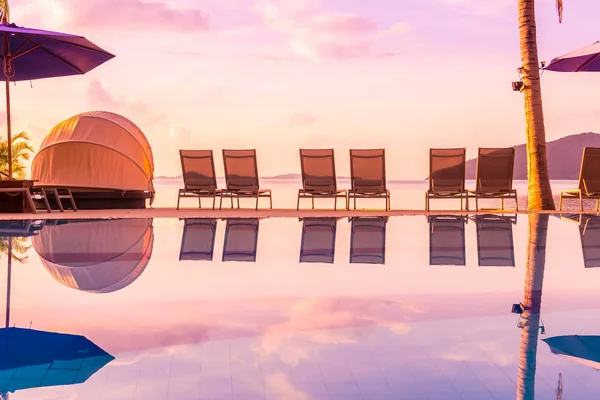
[(135, 15), (100, 98), (315, 34)]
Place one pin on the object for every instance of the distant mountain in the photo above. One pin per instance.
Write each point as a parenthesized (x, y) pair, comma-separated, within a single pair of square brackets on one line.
[(564, 157)]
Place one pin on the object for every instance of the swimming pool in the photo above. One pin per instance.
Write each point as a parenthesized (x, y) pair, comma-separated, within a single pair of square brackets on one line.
[(409, 307)]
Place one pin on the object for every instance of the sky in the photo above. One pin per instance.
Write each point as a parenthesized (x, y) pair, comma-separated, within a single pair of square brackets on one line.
[(282, 75)]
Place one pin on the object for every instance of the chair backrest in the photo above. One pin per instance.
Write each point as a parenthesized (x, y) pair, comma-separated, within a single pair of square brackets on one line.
[(447, 240), (318, 170), (589, 175), (198, 240), (367, 240), (495, 241), (495, 168), (241, 239), (589, 232), (367, 170), (198, 168), (447, 170), (241, 170), (318, 240)]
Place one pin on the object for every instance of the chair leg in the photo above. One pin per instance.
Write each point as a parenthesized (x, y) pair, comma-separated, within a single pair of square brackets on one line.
[(502, 203), (199, 202), (221, 203), (231, 198), (214, 201), (270, 201), (427, 202), (335, 203), (256, 208), (476, 203), (298, 203), (560, 202), (348, 202), (313, 202), (581, 202), (178, 199), (597, 204), (355, 202)]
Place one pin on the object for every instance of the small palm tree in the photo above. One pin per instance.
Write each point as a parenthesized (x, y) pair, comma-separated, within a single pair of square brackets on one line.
[(21, 151)]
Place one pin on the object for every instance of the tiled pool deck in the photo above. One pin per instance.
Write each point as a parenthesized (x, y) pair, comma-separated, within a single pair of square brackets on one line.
[(237, 305)]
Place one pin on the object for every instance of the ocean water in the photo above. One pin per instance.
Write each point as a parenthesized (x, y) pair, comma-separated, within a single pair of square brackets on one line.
[(405, 195)]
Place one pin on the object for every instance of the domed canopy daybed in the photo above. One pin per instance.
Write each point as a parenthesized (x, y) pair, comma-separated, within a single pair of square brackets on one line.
[(96, 256), (104, 158)]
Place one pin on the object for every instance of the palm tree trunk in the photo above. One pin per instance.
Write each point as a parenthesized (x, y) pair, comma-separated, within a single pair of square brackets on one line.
[(539, 190), (532, 300)]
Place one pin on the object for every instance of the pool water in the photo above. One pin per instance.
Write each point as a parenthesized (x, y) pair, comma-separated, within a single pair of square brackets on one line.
[(404, 307)]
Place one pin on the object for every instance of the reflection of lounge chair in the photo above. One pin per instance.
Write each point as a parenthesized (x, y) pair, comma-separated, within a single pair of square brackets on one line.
[(318, 240), (241, 177), (198, 240), (589, 232), (241, 239), (367, 240), (318, 176), (495, 241), (447, 176), (589, 179), (199, 178), (367, 168), (447, 240), (494, 176)]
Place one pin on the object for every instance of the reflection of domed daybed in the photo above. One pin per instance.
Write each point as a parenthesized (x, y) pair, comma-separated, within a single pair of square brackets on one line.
[(97, 256), (103, 157)]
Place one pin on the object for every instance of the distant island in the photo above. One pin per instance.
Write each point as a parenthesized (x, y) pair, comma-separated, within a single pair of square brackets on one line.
[(564, 157)]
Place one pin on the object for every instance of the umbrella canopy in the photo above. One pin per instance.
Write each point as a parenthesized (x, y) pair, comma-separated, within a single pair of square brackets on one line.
[(31, 358), (582, 349), (586, 59), (29, 54)]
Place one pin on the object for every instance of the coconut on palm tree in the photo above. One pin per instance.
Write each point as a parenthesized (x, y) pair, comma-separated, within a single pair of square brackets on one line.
[(21, 151), (539, 190)]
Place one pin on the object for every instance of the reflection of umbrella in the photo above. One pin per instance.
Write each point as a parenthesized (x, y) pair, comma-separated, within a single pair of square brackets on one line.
[(96, 256), (586, 59), (31, 358), (29, 54), (582, 349)]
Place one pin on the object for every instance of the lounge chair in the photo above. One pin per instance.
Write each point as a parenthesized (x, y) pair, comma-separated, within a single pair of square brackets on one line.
[(241, 177), (198, 240), (494, 177), (199, 178), (447, 176), (589, 179), (367, 240), (447, 240), (241, 240), (318, 177), (367, 170), (318, 240), (495, 246), (589, 232)]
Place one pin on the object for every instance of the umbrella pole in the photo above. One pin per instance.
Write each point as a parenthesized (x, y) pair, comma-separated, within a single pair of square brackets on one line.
[(8, 128), (8, 283)]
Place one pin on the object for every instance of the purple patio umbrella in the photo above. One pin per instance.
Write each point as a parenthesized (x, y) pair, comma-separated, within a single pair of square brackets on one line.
[(586, 59), (27, 54)]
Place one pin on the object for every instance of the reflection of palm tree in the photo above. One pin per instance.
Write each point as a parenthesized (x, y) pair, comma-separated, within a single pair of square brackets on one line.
[(532, 301), (18, 248)]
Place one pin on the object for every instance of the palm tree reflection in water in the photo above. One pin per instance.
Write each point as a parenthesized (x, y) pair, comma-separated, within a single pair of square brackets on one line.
[(16, 250), (532, 301)]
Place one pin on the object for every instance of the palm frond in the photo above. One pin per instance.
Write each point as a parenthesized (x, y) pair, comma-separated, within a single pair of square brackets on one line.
[(559, 9), (4, 10)]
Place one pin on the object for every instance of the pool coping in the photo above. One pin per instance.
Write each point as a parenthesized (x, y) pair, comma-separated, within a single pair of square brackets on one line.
[(166, 212)]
